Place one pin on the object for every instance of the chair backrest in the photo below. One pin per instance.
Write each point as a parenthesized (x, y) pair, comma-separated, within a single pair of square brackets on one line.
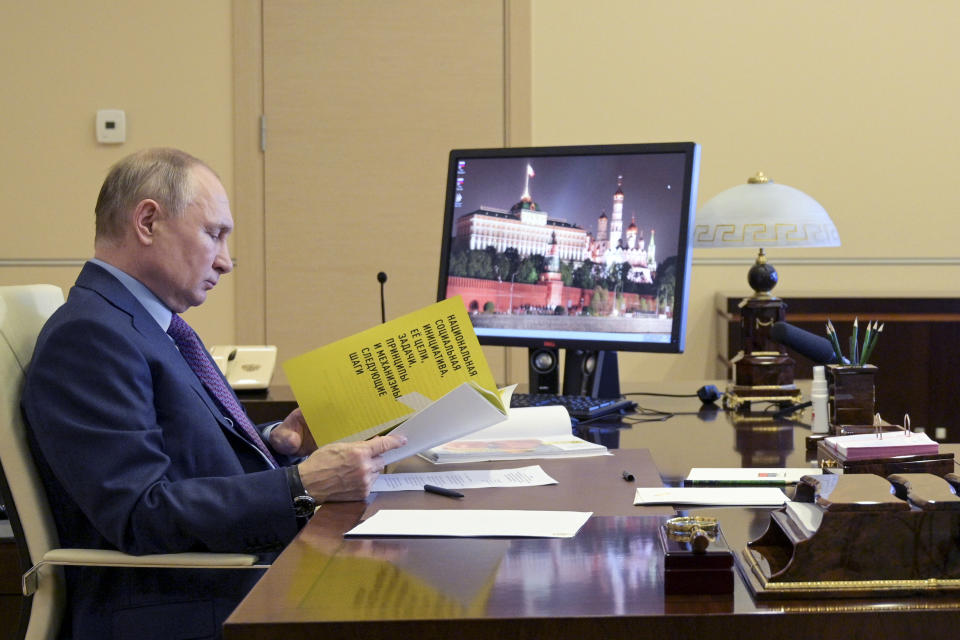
[(23, 311)]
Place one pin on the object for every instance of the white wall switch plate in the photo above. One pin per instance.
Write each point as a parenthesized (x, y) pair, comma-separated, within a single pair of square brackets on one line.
[(111, 126)]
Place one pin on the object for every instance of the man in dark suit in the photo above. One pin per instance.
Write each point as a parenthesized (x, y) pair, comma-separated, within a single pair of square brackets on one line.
[(140, 450)]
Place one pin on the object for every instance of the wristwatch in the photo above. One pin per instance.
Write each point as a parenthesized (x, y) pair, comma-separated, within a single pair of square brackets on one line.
[(303, 503)]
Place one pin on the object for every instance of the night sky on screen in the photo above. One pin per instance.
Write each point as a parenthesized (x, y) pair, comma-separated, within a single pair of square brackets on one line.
[(578, 189)]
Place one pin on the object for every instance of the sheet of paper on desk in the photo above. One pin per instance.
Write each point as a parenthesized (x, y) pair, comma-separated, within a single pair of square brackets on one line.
[(533, 476), (746, 476), (471, 523), (712, 496)]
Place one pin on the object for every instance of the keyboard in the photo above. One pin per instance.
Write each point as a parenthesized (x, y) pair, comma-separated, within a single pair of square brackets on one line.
[(580, 408)]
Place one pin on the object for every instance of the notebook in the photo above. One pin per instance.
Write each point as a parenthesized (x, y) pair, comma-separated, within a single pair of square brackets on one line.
[(862, 446)]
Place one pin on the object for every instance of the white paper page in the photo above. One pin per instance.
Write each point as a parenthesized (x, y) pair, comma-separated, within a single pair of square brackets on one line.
[(734, 475), (461, 411), (533, 476), (528, 422), (716, 496), (467, 523), (889, 439)]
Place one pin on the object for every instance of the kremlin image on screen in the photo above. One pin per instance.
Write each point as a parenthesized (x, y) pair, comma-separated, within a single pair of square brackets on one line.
[(568, 243)]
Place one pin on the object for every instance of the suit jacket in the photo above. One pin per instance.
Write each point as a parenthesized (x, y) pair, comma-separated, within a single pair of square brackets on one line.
[(135, 455)]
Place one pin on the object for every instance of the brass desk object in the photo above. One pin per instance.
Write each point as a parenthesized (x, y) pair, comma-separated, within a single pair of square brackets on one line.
[(857, 539), (763, 371), (696, 558)]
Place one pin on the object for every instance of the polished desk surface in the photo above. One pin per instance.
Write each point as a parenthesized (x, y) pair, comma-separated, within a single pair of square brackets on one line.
[(606, 582)]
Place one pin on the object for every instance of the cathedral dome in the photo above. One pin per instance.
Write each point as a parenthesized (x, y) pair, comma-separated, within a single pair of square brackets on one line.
[(525, 204)]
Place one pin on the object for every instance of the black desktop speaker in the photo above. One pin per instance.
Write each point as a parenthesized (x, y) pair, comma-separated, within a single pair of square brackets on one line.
[(544, 370), (591, 373), (578, 369)]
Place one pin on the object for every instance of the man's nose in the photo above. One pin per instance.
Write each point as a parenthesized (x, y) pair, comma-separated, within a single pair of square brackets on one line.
[(222, 263)]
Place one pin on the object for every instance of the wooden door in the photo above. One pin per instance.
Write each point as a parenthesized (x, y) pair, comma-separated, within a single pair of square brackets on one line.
[(363, 101)]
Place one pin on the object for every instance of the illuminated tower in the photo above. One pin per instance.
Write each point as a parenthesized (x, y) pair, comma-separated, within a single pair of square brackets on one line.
[(632, 234), (603, 234), (616, 216)]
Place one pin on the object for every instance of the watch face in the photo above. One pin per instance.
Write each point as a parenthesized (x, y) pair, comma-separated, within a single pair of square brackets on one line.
[(304, 506)]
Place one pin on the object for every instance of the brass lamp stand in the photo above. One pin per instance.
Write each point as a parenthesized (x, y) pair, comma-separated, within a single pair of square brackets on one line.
[(763, 371), (762, 213)]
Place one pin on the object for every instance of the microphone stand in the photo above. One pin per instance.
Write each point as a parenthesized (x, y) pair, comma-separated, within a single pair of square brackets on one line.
[(382, 278)]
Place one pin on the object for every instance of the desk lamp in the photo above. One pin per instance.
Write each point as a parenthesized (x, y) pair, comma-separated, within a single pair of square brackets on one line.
[(764, 214)]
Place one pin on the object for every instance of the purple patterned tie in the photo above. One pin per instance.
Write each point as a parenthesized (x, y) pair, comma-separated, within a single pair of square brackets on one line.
[(196, 356)]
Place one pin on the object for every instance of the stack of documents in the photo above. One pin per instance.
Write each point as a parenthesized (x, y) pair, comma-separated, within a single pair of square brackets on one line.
[(892, 443), (533, 432)]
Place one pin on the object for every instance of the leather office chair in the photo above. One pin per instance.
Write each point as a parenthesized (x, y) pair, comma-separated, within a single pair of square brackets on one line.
[(23, 311)]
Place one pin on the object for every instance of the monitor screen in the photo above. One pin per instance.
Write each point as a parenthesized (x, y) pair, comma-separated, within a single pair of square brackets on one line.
[(583, 247)]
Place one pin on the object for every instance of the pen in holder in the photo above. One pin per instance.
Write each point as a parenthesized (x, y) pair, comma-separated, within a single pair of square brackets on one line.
[(851, 385), (851, 398)]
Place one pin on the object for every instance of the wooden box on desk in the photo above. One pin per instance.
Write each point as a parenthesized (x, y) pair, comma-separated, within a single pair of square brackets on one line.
[(686, 572), (939, 464)]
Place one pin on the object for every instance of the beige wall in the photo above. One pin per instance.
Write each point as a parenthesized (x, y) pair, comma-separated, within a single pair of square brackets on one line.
[(851, 102), (167, 64)]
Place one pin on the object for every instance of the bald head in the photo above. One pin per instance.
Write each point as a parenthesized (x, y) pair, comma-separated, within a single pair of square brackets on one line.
[(161, 174)]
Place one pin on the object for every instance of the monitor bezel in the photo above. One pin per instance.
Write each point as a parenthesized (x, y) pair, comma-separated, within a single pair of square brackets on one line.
[(691, 151)]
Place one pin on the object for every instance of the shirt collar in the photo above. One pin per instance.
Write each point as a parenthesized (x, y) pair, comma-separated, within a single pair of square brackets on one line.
[(157, 310)]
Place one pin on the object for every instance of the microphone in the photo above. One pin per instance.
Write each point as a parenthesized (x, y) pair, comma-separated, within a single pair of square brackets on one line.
[(809, 345), (382, 278)]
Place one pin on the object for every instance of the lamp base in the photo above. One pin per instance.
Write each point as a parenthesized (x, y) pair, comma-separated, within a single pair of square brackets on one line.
[(740, 396)]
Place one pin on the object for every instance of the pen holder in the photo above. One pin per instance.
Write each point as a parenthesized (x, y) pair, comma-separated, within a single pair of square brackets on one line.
[(851, 396)]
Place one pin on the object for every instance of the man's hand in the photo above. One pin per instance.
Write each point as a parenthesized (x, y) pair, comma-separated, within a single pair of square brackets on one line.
[(292, 437), (345, 470)]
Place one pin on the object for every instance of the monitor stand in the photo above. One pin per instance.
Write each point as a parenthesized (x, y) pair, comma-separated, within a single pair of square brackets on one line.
[(585, 373)]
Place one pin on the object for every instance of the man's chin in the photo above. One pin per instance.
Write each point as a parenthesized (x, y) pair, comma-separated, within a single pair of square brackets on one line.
[(195, 300)]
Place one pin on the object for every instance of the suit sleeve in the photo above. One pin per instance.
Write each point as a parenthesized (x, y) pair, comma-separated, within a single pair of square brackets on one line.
[(129, 460)]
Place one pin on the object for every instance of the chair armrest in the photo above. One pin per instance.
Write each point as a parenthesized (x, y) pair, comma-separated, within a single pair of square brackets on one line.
[(110, 558)]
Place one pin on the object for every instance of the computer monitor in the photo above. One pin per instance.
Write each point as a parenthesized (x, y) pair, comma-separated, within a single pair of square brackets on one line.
[(585, 248)]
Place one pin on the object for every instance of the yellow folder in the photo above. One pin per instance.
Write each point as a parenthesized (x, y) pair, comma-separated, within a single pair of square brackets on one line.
[(369, 382)]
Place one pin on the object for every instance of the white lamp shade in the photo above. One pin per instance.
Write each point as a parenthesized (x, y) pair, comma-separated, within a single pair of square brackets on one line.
[(764, 214)]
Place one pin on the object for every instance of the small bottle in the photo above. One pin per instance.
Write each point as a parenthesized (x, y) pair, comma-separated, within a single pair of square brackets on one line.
[(818, 396)]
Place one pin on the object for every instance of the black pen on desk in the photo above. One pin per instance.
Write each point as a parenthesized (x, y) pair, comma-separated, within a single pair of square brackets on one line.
[(627, 476), (440, 491)]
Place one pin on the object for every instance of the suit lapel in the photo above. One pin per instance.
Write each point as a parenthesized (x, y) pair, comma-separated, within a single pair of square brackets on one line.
[(103, 283)]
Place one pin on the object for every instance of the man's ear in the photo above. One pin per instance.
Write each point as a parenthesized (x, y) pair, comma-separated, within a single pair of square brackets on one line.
[(146, 215)]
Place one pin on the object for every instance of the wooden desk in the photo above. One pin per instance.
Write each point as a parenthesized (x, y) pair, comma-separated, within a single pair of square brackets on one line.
[(593, 484), (604, 583), (325, 586)]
